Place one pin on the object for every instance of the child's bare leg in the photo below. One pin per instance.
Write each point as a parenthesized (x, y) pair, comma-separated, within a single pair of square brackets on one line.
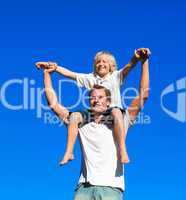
[(119, 134), (72, 135)]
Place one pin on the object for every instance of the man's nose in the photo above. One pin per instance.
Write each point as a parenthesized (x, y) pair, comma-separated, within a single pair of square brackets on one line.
[(96, 99)]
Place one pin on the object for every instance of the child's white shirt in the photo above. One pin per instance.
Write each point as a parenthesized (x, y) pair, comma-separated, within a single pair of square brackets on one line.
[(112, 82)]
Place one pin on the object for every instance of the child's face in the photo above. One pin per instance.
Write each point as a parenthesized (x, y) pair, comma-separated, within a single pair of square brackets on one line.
[(102, 65)]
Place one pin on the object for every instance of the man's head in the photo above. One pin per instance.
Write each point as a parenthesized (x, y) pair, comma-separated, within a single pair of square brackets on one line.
[(100, 99), (104, 63)]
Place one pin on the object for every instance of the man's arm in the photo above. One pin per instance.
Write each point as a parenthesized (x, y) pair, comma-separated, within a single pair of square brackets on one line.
[(54, 67), (53, 103), (138, 103)]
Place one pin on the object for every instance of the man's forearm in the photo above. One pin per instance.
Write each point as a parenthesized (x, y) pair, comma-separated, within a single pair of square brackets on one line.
[(50, 93), (144, 83), (57, 108), (138, 103)]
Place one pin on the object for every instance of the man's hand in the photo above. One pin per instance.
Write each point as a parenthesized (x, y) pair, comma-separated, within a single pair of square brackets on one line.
[(49, 66), (142, 54)]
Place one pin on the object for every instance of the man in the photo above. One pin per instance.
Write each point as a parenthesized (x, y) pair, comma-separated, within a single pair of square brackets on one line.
[(102, 173)]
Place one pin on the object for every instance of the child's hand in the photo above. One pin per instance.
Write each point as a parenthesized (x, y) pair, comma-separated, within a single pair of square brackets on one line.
[(50, 66), (142, 53)]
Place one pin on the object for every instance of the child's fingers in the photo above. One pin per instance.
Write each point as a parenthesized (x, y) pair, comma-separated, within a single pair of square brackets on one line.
[(136, 52)]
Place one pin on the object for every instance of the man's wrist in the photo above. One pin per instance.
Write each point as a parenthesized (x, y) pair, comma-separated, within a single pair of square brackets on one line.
[(144, 61), (45, 71)]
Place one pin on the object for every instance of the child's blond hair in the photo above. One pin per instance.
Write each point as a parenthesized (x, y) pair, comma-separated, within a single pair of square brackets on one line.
[(113, 64)]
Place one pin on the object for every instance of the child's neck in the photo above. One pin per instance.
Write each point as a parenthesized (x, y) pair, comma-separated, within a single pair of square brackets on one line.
[(104, 76)]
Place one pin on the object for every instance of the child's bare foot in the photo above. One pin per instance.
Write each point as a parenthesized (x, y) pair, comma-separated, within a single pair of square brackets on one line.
[(67, 157), (124, 158)]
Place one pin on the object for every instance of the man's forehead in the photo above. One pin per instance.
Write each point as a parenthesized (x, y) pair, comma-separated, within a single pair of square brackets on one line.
[(98, 92)]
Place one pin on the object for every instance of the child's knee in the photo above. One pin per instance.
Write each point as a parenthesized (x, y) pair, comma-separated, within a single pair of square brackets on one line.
[(74, 117), (116, 112)]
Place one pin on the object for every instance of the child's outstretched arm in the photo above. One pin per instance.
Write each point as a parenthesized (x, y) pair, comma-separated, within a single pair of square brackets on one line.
[(55, 67), (138, 55), (66, 72)]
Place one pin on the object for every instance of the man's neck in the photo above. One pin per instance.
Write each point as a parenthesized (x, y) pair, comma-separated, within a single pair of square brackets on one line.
[(97, 118)]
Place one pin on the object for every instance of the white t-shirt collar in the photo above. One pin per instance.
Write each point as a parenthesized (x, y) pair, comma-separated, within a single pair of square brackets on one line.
[(102, 79)]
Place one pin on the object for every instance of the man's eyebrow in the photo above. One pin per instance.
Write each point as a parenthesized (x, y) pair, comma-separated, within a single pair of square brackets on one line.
[(102, 96)]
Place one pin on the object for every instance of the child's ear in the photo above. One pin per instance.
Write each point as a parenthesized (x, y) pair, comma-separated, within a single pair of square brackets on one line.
[(111, 68)]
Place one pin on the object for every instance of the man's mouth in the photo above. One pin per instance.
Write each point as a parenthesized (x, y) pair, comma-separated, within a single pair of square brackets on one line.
[(96, 105)]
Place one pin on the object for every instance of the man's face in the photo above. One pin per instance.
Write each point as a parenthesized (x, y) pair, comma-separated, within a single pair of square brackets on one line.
[(102, 65), (99, 101)]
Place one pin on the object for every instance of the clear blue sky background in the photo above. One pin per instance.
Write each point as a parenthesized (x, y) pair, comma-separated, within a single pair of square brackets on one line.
[(71, 32)]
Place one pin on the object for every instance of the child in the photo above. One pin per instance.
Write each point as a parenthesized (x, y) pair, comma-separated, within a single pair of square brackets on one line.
[(104, 74)]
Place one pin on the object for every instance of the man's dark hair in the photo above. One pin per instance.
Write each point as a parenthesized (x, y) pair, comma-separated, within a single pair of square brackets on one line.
[(99, 87)]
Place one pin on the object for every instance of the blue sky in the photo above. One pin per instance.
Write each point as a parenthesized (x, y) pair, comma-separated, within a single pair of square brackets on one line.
[(70, 33)]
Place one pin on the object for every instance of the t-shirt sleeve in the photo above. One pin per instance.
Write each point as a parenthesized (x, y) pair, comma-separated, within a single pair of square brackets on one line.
[(84, 80), (119, 76)]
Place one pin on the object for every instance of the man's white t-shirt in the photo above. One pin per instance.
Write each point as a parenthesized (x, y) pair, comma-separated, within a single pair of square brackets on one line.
[(100, 164), (112, 82)]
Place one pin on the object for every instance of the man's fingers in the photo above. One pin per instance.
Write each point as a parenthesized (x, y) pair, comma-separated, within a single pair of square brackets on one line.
[(148, 51), (50, 70), (40, 65)]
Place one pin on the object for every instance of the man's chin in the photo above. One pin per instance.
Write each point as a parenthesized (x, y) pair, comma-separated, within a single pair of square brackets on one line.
[(98, 109)]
